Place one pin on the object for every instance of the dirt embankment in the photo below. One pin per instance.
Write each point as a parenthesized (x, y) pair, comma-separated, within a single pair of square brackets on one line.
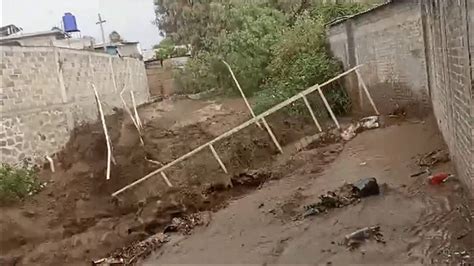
[(74, 219)]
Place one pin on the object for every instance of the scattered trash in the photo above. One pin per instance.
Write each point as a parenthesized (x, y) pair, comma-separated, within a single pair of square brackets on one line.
[(356, 238), (369, 122), (333, 199), (432, 158), (108, 261), (426, 171), (366, 187), (345, 195), (363, 164), (350, 132), (186, 224), (130, 254), (439, 178), (463, 234)]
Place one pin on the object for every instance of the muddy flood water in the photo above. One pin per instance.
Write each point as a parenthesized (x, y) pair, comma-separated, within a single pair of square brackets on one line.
[(420, 223)]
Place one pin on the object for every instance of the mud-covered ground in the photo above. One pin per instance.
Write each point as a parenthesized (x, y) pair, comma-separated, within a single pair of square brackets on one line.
[(420, 223), (74, 220)]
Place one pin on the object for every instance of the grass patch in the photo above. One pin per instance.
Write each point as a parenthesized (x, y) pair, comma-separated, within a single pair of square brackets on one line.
[(16, 183)]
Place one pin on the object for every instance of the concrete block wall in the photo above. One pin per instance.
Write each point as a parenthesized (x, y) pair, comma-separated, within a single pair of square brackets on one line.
[(389, 42), (46, 92), (418, 53)]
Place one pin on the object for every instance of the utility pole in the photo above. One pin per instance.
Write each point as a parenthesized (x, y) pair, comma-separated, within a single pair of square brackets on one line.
[(100, 22)]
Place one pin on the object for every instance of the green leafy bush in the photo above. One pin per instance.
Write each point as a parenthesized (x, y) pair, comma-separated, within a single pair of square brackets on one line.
[(300, 60), (245, 43), (17, 182)]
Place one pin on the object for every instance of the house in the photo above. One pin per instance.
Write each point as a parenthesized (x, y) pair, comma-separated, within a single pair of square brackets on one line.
[(82, 43), (42, 38), (123, 48), (9, 30)]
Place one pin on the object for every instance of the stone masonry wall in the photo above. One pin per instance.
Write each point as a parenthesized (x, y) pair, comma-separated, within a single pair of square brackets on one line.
[(389, 42), (418, 53), (46, 92)]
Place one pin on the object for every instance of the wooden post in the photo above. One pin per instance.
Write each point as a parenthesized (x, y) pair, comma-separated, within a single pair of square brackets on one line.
[(362, 83), (234, 130), (131, 116), (328, 107), (217, 158), (167, 181), (241, 91), (104, 126), (51, 163), (312, 113), (137, 117), (270, 132), (112, 73)]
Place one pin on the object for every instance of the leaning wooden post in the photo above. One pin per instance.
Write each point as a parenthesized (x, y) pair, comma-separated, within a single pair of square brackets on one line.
[(218, 158), (167, 181), (104, 126), (328, 107), (272, 136), (311, 112), (125, 106), (137, 118), (362, 83), (241, 92)]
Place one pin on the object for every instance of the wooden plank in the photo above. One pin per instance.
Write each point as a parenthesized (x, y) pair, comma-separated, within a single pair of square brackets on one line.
[(361, 81), (232, 131), (218, 158), (328, 107), (272, 136), (312, 113), (104, 127), (167, 181), (241, 91)]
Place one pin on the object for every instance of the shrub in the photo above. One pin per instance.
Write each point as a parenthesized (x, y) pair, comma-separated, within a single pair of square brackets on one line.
[(17, 182)]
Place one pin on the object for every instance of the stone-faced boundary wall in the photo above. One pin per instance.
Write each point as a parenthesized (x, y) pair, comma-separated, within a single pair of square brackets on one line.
[(46, 92)]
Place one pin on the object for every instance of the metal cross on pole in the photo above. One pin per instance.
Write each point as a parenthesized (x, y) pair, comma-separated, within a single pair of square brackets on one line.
[(101, 22)]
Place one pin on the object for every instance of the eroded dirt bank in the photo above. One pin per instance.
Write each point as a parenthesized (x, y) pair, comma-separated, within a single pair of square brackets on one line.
[(420, 223), (74, 219)]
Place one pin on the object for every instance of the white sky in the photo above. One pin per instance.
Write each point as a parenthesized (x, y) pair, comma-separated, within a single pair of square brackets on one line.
[(131, 18)]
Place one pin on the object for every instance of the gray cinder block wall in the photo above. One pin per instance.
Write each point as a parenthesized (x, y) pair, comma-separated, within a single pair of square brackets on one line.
[(46, 92), (417, 55)]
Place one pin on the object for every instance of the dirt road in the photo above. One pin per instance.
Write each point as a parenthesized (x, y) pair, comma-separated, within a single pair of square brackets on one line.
[(420, 223)]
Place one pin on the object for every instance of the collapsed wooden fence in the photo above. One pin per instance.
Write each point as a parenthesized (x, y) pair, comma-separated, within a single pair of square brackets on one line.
[(256, 119)]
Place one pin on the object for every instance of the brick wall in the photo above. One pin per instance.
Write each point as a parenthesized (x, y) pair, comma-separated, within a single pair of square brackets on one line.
[(449, 51), (389, 42), (46, 92), (419, 54)]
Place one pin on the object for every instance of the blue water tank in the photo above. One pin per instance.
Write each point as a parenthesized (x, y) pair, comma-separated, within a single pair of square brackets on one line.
[(69, 21)]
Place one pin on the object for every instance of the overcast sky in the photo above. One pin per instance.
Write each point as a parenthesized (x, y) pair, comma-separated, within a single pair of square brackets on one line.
[(131, 18)]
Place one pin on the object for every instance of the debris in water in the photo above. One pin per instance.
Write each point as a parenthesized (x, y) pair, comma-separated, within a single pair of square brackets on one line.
[(369, 122), (426, 171), (138, 250), (187, 223), (345, 195), (356, 238), (439, 178), (432, 158), (366, 187)]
